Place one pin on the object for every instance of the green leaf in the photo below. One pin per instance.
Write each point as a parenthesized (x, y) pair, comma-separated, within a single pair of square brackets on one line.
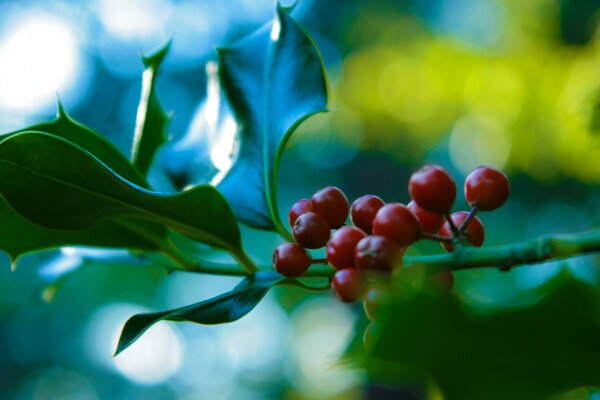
[(152, 121), (58, 185), (274, 79), (525, 353), (67, 128), (226, 307), (18, 236)]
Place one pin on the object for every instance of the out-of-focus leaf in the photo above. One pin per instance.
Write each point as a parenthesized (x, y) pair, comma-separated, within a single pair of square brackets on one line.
[(207, 150), (274, 79), (151, 121), (226, 307), (58, 185), (527, 353), (67, 128)]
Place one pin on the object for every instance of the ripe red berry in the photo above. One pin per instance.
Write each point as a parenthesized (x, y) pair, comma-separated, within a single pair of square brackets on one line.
[(377, 253), (363, 211), (300, 207), (475, 232), (432, 189), (340, 249), (332, 204), (349, 285), (487, 188), (311, 230), (443, 281), (291, 260), (428, 221), (398, 223)]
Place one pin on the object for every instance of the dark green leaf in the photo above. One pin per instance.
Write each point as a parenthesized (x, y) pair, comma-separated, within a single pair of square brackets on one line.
[(274, 79), (58, 185), (65, 127), (19, 236), (151, 122), (527, 353), (227, 307)]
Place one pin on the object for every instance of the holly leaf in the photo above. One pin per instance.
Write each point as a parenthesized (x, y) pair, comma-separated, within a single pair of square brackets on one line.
[(526, 353), (55, 184), (274, 79), (151, 121), (66, 127), (227, 307), (18, 236)]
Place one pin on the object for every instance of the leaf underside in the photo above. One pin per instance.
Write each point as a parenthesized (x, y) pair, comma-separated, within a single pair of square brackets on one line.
[(227, 307), (19, 236), (273, 79)]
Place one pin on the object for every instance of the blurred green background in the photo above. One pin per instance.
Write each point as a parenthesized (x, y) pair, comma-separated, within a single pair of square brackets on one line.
[(514, 84)]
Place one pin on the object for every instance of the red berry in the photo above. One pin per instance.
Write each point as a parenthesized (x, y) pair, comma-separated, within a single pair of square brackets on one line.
[(349, 285), (432, 189), (377, 253), (443, 281), (428, 221), (332, 204), (475, 231), (398, 223), (363, 211), (487, 188), (340, 249), (291, 260), (300, 207), (311, 230)]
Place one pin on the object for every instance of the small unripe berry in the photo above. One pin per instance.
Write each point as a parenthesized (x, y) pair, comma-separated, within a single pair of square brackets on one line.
[(332, 204), (487, 188), (398, 223), (291, 260), (363, 211), (376, 253), (311, 230), (340, 249), (475, 231), (300, 207), (371, 331), (432, 188), (428, 221), (349, 285), (375, 302)]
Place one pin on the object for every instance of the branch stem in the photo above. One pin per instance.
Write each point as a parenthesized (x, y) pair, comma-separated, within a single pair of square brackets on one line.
[(505, 257), (550, 247)]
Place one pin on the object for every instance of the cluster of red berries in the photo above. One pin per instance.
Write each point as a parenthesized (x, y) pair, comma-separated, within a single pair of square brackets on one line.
[(382, 232)]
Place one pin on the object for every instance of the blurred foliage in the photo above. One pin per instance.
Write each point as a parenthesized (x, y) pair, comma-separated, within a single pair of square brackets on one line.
[(522, 353)]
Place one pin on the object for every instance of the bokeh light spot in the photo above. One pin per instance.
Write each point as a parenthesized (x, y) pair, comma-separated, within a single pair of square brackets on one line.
[(38, 57)]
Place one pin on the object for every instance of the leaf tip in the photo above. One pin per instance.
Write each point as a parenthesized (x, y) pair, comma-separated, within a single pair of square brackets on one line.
[(287, 9), (155, 59), (60, 109)]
